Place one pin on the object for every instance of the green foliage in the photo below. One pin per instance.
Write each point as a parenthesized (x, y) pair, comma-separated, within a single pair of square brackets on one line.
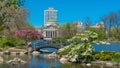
[(67, 30), (112, 24), (66, 50), (116, 57), (115, 34), (59, 40), (116, 60), (5, 48), (13, 17), (82, 50), (81, 53), (100, 31), (86, 37), (106, 55), (10, 42)]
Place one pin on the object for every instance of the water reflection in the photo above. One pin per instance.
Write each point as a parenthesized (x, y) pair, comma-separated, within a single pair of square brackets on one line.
[(42, 61)]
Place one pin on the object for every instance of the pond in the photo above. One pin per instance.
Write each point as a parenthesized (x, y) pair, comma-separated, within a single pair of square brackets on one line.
[(42, 62), (113, 46)]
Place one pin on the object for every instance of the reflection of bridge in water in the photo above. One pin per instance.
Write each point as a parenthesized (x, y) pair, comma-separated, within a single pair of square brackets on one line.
[(37, 45)]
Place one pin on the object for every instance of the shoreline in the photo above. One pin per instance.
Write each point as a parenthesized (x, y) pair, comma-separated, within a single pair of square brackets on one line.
[(95, 62)]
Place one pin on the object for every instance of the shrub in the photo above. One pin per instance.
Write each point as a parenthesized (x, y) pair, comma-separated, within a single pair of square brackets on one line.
[(66, 50), (106, 55), (116, 60), (97, 56), (11, 42), (82, 50), (117, 55), (58, 40), (81, 53)]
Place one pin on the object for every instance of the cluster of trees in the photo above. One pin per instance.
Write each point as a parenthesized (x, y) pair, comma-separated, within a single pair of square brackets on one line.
[(112, 25), (110, 30), (13, 17), (65, 31), (29, 35)]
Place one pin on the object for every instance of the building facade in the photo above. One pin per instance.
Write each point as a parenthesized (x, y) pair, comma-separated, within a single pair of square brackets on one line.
[(98, 25), (80, 26), (50, 23), (50, 16)]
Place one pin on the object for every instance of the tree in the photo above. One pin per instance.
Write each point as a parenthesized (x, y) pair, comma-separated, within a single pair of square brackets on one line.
[(117, 21), (29, 35), (87, 23), (67, 30), (13, 17), (100, 31), (80, 49), (111, 20)]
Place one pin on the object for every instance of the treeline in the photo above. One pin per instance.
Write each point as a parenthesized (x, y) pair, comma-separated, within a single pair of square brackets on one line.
[(109, 31), (13, 17), (112, 25)]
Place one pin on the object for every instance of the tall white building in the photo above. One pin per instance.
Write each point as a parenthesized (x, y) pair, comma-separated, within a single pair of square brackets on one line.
[(50, 16), (50, 23)]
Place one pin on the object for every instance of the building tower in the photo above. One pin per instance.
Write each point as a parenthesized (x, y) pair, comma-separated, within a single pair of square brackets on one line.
[(50, 17), (50, 23)]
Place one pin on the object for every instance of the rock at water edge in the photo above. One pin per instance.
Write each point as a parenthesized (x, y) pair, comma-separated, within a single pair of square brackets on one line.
[(35, 53)]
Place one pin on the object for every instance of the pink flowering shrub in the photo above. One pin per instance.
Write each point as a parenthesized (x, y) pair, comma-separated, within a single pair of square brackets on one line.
[(29, 35)]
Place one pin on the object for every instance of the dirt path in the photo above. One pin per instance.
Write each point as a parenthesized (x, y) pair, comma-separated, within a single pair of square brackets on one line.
[(16, 49)]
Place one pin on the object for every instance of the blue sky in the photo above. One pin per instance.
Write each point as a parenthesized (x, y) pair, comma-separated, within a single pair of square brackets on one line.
[(71, 10)]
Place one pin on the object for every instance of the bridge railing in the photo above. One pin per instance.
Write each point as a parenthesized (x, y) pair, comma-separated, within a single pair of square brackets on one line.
[(40, 43)]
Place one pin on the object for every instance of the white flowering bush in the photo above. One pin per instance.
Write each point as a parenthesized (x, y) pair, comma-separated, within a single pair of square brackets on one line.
[(85, 37), (81, 53), (81, 49)]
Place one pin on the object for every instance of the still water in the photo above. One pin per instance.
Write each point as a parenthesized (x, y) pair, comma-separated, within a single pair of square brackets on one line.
[(42, 61), (113, 46)]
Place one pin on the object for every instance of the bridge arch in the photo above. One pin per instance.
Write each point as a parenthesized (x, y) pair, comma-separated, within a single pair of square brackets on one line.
[(41, 47), (37, 45)]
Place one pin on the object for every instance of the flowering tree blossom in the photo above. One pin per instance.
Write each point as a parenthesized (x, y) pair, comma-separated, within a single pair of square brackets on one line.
[(80, 49), (29, 35)]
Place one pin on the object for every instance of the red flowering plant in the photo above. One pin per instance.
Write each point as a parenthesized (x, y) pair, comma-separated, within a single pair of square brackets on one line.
[(29, 35)]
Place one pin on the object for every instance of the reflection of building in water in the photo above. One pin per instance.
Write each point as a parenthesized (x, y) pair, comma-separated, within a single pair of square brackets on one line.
[(50, 23)]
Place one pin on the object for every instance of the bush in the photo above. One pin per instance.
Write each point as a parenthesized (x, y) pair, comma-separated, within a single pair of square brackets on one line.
[(83, 49), (117, 55), (60, 41), (10, 42), (81, 53), (116, 60), (5, 48), (66, 50), (97, 56), (105, 56)]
